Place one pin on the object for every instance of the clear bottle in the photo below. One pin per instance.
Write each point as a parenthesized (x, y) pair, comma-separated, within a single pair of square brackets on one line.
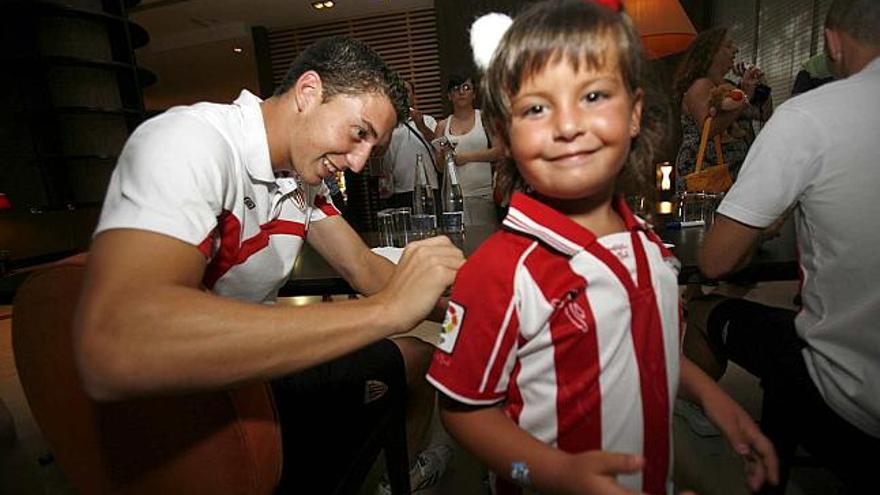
[(424, 215), (453, 201)]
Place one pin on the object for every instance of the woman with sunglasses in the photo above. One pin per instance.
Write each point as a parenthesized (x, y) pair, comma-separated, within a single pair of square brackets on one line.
[(474, 151)]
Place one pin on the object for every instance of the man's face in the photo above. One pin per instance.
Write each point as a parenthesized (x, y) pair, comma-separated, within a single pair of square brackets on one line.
[(339, 134)]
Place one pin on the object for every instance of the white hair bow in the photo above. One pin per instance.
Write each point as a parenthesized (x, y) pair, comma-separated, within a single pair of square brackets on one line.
[(486, 32)]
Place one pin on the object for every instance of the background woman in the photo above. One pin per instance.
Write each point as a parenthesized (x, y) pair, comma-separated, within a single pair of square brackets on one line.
[(702, 70), (474, 151)]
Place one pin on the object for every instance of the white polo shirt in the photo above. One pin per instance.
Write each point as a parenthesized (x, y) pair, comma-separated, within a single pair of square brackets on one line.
[(400, 158), (819, 152), (202, 174), (578, 336)]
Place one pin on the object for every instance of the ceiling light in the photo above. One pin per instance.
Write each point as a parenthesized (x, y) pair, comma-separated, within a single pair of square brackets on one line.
[(325, 4), (237, 49)]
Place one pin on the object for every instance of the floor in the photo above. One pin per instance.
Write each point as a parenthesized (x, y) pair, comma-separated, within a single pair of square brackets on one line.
[(704, 463)]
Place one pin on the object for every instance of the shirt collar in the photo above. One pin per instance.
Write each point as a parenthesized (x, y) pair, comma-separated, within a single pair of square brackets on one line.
[(535, 219), (254, 142)]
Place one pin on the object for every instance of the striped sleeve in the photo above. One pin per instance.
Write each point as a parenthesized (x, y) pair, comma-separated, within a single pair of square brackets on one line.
[(479, 336)]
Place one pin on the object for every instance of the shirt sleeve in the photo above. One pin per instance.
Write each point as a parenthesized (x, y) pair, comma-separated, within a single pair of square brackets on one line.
[(781, 164), (170, 179), (324, 206), (479, 335), (430, 123)]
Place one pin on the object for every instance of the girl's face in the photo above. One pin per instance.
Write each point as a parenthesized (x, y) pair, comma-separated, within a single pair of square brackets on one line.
[(570, 131)]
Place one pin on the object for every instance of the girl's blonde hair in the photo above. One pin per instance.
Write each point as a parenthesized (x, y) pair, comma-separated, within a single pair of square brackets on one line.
[(581, 33)]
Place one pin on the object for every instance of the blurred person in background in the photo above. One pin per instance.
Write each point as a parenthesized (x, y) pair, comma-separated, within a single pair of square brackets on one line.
[(474, 151), (410, 138), (701, 71)]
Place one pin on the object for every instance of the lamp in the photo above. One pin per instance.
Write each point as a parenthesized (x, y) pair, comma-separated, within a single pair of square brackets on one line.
[(662, 25), (665, 183)]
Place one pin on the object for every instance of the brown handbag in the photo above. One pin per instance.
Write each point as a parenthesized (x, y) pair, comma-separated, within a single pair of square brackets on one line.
[(715, 179)]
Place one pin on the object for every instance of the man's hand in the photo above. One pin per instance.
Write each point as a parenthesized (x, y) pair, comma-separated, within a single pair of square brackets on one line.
[(417, 115), (425, 270)]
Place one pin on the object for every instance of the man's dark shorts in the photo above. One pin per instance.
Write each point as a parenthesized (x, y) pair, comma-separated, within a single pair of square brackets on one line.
[(763, 340), (330, 411)]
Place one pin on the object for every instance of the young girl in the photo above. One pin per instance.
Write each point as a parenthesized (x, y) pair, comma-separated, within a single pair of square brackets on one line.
[(569, 317)]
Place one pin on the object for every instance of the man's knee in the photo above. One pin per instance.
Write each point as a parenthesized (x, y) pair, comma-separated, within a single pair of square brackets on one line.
[(416, 355), (700, 345)]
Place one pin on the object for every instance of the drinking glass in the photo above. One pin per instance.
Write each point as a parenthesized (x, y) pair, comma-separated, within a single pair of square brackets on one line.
[(402, 225), (385, 223)]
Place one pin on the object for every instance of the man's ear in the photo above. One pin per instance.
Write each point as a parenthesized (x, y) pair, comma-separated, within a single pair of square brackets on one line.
[(308, 90), (833, 45)]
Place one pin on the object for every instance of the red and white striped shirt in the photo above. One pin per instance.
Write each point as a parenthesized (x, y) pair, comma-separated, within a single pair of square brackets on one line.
[(202, 174), (578, 336)]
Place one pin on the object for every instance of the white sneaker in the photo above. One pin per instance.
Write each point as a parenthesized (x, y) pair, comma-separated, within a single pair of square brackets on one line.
[(425, 471)]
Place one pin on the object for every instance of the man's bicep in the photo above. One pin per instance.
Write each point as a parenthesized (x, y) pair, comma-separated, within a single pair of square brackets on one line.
[(121, 258), (728, 244)]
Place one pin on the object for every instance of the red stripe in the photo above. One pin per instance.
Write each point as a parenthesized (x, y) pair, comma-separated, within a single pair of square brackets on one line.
[(508, 342), (207, 245), (229, 229), (579, 396), (647, 336), (231, 253), (325, 206), (514, 405), (575, 352)]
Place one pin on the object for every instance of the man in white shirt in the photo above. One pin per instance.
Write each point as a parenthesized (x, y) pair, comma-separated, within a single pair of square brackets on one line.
[(204, 216), (411, 138), (820, 367)]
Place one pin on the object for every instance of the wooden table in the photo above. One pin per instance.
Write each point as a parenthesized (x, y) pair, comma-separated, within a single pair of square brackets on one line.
[(776, 259)]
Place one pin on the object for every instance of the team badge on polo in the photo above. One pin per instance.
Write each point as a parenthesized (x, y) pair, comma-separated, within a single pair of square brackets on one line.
[(451, 326)]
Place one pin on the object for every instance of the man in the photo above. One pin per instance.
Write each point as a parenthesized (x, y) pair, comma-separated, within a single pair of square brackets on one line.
[(410, 139), (196, 232), (820, 368)]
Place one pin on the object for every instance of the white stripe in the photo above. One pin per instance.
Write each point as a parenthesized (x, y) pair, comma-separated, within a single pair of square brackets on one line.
[(619, 383), (460, 398), (521, 222), (511, 306)]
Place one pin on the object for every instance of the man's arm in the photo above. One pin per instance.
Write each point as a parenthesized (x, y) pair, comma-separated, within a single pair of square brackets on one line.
[(363, 269), (728, 247), (345, 251), (145, 326), (419, 119)]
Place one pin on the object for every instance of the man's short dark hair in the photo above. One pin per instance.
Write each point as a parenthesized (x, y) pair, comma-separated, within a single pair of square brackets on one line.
[(858, 18), (350, 67)]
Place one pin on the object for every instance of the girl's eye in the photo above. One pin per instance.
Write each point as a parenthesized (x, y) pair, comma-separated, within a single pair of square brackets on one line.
[(360, 133), (533, 110), (594, 96)]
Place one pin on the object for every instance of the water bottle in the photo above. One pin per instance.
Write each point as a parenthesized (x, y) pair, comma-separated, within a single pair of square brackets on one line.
[(453, 201), (424, 216)]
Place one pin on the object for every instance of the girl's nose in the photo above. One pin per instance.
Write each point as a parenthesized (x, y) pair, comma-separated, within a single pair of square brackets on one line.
[(569, 124)]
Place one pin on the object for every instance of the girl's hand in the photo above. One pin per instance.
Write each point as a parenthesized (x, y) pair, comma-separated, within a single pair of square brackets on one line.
[(596, 471), (759, 456)]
